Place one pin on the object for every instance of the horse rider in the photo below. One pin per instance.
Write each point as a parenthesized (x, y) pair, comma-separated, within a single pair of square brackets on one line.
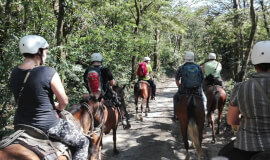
[(212, 67), (149, 77), (33, 85), (107, 81), (249, 108), (181, 77)]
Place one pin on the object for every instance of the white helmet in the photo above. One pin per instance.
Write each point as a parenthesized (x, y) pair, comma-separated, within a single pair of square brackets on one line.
[(261, 53), (32, 43), (212, 56), (189, 56), (146, 59), (96, 57)]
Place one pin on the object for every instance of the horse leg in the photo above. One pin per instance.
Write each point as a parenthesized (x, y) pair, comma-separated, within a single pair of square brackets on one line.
[(136, 105), (147, 107), (212, 121), (220, 108), (147, 104), (115, 151), (185, 139), (183, 125), (142, 110)]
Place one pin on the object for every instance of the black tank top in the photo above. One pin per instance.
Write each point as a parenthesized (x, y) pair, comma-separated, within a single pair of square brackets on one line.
[(36, 105)]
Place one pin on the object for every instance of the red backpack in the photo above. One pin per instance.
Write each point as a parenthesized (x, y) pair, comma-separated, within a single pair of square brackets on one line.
[(94, 82), (142, 69)]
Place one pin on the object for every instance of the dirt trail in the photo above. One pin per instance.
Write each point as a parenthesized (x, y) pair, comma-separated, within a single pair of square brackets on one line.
[(158, 137)]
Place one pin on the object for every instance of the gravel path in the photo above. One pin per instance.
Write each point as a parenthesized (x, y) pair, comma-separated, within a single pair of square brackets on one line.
[(158, 137)]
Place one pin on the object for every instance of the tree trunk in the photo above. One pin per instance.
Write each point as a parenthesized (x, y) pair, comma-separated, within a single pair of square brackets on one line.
[(264, 18), (156, 54), (60, 27), (26, 10), (236, 52), (4, 32), (253, 19), (137, 20)]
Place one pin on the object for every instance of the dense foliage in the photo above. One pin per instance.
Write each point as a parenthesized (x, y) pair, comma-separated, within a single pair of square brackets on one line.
[(122, 30)]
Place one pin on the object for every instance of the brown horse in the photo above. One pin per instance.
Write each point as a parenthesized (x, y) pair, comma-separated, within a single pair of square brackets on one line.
[(90, 116), (142, 89), (190, 112), (113, 114), (83, 114), (216, 99)]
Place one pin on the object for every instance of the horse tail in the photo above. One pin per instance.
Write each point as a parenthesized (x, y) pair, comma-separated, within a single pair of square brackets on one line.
[(216, 99), (193, 130), (214, 102)]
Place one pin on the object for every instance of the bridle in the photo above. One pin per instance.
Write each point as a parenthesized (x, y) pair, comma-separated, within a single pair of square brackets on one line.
[(100, 127)]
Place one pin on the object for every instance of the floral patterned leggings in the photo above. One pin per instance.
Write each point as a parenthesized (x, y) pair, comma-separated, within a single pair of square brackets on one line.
[(68, 134)]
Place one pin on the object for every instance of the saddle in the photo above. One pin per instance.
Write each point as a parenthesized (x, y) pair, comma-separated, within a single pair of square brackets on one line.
[(36, 140), (139, 83)]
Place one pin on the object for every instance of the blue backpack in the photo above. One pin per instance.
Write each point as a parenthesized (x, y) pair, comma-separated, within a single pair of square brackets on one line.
[(191, 76)]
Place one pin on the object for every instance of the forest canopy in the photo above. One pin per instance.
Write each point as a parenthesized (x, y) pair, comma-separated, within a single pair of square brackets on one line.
[(124, 31)]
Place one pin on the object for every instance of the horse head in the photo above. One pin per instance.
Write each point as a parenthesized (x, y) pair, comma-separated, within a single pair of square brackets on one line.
[(123, 111), (90, 115)]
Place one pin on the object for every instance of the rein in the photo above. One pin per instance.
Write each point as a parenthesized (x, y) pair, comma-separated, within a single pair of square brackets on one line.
[(99, 128)]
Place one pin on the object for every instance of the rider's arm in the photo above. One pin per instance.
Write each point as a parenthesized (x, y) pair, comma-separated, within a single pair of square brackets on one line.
[(177, 83), (233, 115), (110, 76), (203, 69), (59, 91), (111, 82), (178, 76)]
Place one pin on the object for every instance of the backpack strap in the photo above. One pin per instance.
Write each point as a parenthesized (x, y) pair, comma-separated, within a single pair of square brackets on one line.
[(24, 81), (259, 87), (217, 66)]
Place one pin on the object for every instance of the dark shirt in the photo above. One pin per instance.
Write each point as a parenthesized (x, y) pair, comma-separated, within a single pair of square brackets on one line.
[(106, 75), (36, 105)]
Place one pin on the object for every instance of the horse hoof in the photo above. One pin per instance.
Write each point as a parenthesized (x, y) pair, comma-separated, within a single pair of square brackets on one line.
[(116, 152), (213, 141), (128, 126)]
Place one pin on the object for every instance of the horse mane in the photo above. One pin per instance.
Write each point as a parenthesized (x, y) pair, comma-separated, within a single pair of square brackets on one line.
[(74, 108), (210, 79)]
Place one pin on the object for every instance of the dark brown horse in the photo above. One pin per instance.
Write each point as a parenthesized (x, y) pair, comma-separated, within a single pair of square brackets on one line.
[(84, 115), (142, 89), (216, 98), (113, 114), (190, 112)]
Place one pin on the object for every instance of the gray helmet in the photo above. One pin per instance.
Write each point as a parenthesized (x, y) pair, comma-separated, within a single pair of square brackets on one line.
[(189, 56), (32, 43), (212, 56), (96, 57)]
